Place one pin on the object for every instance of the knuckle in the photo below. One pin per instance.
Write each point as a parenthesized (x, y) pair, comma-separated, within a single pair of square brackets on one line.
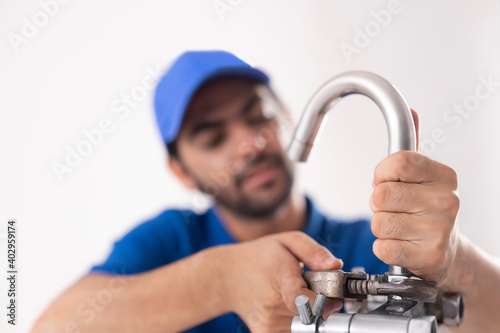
[(291, 279), (296, 236), (454, 203), (417, 159), (380, 194), (286, 277), (443, 239), (427, 227), (452, 175), (382, 249), (393, 253), (403, 162), (321, 252), (448, 202), (386, 225)]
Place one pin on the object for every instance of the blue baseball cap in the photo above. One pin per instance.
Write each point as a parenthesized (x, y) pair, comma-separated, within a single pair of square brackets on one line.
[(186, 75)]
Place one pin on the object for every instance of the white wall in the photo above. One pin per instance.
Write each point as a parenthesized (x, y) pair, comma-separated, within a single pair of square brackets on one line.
[(67, 77)]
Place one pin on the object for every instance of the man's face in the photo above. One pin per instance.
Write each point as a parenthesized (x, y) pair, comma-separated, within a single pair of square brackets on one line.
[(230, 149)]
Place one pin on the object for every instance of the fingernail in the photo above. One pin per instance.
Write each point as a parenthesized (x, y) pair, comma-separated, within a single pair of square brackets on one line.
[(332, 260), (373, 183)]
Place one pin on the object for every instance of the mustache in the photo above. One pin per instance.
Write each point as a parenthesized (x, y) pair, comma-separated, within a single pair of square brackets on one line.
[(275, 158)]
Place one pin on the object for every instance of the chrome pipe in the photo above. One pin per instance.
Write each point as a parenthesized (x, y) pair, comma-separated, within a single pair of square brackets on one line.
[(397, 115)]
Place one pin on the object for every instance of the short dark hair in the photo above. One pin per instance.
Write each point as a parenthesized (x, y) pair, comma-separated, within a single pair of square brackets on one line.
[(172, 149)]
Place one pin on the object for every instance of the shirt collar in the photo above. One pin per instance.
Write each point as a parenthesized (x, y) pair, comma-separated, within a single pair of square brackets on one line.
[(219, 233)]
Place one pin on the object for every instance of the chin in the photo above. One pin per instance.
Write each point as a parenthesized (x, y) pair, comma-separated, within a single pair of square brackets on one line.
[(270, 198)]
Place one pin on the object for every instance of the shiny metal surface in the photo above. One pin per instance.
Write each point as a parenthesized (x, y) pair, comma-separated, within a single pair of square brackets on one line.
[(319, 305), (397, 115), (299, 327), (363, 323), (450, 309), (304, 309), (410, 299), (332, 283)]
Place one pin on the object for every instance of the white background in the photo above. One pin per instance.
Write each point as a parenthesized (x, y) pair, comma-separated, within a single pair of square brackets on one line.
[(66, 78)]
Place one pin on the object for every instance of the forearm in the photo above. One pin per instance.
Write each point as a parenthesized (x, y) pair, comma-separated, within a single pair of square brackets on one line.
[(477, 276), (168, 299)]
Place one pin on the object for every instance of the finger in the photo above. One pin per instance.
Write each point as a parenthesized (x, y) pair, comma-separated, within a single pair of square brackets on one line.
[(412, 167), (421, 258), (292, 285), (401, 197), (416, 121), (332, 305), (413, 199), (310, 252), (393, 252), (401, 226)]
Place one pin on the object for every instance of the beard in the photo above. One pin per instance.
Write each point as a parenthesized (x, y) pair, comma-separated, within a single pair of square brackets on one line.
[(251, 205)]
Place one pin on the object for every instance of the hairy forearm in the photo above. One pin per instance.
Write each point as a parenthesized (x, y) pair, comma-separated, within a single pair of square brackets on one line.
[(168, 299), (477, 275)]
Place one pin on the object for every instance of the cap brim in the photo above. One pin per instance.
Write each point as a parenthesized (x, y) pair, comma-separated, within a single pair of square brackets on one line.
[(184, 100)]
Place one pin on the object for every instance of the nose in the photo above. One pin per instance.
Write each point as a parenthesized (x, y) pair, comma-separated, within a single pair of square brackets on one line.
[(249, 141)]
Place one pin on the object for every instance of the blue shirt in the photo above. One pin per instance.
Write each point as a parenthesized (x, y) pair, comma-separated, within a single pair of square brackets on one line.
[(175, 234)]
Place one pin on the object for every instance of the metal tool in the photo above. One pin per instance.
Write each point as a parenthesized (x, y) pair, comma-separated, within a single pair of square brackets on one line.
[(407, 307)]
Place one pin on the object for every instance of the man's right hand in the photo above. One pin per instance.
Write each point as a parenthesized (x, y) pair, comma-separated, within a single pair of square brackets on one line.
[(262, 278), (258, 280)]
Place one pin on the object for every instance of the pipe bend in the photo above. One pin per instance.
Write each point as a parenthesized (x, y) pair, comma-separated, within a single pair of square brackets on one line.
[(397, 114)]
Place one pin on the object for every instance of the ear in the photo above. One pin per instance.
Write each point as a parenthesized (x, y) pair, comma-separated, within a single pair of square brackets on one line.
[(416, 120), (180, 172)]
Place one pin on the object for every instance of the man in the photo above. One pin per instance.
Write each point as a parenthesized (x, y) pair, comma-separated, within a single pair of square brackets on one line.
[(238, 265)]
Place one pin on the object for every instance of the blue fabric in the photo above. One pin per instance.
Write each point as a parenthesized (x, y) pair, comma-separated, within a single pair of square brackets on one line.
[(186, 75), (175, 234)]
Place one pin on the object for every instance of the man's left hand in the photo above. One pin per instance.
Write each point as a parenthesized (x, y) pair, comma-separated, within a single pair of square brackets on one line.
[(415, 205)]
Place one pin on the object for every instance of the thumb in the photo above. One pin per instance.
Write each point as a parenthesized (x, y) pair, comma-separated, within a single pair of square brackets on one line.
[(311, 253)]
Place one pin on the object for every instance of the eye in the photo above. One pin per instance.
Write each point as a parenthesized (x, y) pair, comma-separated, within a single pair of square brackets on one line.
[(215, 141), (260, 120)]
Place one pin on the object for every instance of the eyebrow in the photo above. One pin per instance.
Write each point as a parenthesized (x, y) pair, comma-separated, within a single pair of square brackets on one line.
[(207, 125)]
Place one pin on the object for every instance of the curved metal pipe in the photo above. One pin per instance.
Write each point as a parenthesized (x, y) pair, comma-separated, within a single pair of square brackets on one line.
[(396, 113)]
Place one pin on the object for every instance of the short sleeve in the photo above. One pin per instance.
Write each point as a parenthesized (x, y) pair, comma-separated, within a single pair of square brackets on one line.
[(150, 245)]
